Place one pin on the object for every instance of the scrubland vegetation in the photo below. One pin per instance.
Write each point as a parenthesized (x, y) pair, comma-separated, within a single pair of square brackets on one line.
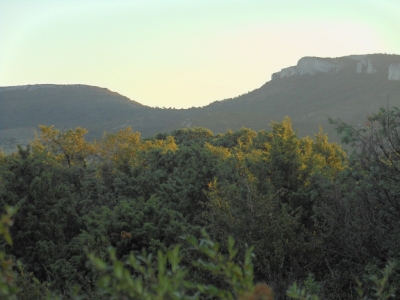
[(193, 215)]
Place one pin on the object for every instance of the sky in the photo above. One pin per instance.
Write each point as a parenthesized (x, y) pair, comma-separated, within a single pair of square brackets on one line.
[(183, 53)]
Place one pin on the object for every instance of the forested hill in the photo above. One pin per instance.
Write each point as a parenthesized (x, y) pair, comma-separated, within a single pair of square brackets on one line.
[(349, 88), (64, 106), (319, 223), (23, 108)]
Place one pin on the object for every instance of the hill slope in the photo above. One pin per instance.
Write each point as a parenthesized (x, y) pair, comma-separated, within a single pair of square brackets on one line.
[(348, 87), (310, 99)]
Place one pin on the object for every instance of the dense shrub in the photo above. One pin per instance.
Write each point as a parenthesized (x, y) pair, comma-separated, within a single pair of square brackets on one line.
[(313, 216)]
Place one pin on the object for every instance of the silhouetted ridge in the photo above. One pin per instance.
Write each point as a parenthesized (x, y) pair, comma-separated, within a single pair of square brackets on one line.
[(349, 88)]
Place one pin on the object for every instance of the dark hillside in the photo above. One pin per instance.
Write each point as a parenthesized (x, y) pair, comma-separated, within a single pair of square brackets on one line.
[(62, 106), (349, 88), (309, 99)]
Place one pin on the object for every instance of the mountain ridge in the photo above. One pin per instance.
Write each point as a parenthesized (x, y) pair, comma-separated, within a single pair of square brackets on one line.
[(350, 92)]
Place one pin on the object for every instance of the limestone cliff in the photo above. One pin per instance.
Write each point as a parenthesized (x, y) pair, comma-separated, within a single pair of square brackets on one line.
[(364, 64), (310, 65), (394, 72), (359, 64), (286, 72)]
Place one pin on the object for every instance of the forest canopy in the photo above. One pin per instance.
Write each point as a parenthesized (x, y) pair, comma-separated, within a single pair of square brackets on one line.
[(289, 216)]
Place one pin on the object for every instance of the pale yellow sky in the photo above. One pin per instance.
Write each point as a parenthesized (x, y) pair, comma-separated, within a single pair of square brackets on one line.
[(175, 53)]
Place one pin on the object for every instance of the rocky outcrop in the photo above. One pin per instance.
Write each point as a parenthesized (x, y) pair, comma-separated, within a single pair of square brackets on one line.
[(394, 72), (370, 68), (309, 65), (286, 72), (364, 65), (276, 75)]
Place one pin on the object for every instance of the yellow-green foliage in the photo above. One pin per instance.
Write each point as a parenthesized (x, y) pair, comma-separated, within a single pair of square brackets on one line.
[(262, 190), (286, 157), (124, 146), (69, 147), (303, 157), (218, 151), (270, 189), (120, 148)]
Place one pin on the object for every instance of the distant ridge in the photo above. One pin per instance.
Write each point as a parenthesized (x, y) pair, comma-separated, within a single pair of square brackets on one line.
[(359, 64), (349, 87), (31, 87)]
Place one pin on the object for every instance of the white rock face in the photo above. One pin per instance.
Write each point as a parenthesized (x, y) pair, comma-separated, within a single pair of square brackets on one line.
[(314, 65), (370, 67), (364, 65), (394, 72), (359, 67), (309, 65), (286, 72)]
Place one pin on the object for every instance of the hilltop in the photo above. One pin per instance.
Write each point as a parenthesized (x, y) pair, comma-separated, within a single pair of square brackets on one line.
[(348, 88)]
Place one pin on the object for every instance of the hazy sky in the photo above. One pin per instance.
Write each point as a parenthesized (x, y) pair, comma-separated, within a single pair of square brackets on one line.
[(175, 53)]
